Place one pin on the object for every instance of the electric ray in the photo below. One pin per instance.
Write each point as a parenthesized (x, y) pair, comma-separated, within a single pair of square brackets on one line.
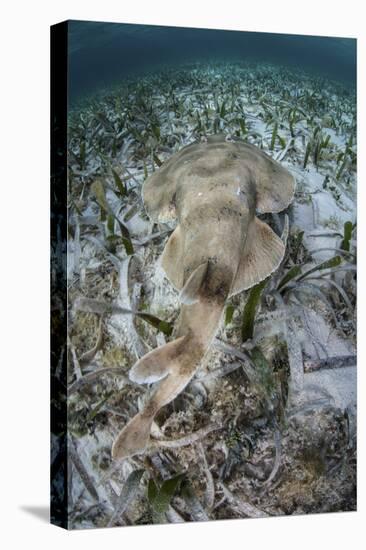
[(219, 248)]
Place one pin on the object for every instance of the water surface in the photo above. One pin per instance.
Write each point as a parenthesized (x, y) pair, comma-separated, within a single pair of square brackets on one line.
[(101, 54)]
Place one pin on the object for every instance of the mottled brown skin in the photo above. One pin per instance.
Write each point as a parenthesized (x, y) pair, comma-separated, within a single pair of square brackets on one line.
[(212, 189), (210, 159)]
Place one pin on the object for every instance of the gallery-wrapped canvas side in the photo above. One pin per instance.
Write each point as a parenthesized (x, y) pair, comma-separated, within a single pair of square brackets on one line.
[(58, 274)]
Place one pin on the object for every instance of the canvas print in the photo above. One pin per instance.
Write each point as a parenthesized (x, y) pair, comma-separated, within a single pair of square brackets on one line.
[(203, 274)]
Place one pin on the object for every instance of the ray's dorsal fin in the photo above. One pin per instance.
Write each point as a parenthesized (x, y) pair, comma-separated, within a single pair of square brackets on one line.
[(172, 258), (190, 292), (156, 364), (263, 253)]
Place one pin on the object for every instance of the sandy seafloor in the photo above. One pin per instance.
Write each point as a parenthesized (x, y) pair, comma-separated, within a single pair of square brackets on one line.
[(249, 442)]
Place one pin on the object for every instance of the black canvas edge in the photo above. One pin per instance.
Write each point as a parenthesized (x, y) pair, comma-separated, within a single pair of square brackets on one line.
[(58, 257)]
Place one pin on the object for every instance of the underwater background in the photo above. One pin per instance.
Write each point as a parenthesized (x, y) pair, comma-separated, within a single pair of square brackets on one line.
[(101, 54), (260, 431)]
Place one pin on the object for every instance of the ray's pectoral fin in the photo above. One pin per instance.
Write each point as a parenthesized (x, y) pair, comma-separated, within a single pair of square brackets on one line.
[(172, 258), (190, 292), (156, 364), (158, 193), (275, 185), (263, 253)]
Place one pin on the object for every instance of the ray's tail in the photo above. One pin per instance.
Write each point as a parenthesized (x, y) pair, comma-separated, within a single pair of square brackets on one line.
[(173, 365), (134, 436), (152, 367)]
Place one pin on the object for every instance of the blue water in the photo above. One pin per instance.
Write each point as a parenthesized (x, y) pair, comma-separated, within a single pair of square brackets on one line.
[(102, 54)]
